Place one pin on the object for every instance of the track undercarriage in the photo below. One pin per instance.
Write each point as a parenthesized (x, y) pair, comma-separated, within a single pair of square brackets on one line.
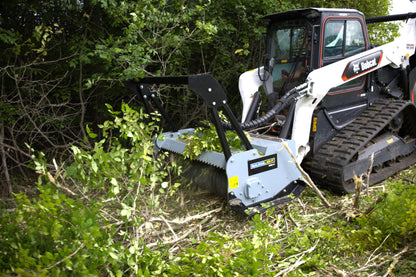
[(382, 137)]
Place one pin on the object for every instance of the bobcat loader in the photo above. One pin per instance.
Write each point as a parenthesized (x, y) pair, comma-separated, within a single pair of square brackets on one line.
[(327, 99)]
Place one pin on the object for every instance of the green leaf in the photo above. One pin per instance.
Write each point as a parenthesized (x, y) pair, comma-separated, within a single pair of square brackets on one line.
[(115, 188), (113, 255), (90, 133), (94, 166)]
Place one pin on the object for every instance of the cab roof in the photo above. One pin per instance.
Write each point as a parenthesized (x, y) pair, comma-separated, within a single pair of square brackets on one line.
[(308, 13)]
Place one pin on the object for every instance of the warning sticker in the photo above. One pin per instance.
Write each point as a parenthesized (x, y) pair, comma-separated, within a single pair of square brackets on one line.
[(233, 182)]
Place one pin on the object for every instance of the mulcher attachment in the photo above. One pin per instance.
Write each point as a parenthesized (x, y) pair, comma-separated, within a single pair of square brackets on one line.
[(262, 176)]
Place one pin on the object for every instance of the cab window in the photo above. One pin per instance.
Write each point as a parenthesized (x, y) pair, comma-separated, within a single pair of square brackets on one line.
[(289, 43), (343, 38), (290, 50)]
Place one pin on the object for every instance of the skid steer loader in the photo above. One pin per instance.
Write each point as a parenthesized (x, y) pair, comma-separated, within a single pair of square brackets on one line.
[(328, 99)]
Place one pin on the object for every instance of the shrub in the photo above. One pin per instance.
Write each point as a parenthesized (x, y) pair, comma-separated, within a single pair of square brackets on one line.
[(394, 218), (54, 234), (90, 218)]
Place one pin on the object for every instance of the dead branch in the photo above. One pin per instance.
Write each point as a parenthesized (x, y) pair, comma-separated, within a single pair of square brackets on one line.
[(369, 173), (298, 262), (5, 170), (39, 116), (370, 259), (396, 259), (358, 181), (188, 219), (170, 227), (151, 245), (378, 264), (307, 178)]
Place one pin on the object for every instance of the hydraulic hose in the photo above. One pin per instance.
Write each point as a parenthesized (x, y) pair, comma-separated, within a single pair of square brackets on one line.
[(285, 101)]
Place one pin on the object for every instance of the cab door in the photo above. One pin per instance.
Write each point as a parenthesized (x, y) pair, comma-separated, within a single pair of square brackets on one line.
[(343, 37)]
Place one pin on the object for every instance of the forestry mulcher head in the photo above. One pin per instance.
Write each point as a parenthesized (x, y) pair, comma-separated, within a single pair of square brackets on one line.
[(264, 175)]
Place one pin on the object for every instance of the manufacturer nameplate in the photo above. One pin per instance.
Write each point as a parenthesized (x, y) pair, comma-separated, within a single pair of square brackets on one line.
[(362, 65), (262, 164)]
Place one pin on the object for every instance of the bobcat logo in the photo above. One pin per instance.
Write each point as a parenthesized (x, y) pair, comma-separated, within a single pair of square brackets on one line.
[(361, 65), (356, 67)]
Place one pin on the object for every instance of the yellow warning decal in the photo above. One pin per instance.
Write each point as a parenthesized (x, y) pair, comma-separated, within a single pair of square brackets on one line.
[(390, 140), (314, 123), (233, 182)]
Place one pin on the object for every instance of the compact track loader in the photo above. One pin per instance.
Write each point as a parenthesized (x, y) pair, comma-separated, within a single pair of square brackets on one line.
[(326, 98)]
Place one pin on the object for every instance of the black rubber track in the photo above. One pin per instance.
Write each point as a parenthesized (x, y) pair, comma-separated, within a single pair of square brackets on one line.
[(326, 167)]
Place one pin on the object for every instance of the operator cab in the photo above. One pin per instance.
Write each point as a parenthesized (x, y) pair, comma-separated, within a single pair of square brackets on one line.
[(300, 41)]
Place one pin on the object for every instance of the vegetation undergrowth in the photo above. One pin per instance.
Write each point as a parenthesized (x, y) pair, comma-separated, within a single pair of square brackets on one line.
[(206, 139), (117, 211), (91, 216)]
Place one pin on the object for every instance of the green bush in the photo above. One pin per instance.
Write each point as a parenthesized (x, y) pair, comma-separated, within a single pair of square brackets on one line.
[(88, 218), (54, 235), (393, 218)]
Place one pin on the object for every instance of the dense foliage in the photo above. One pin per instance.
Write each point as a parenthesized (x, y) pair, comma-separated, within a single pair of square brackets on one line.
[(205, 139), (89, 217)]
